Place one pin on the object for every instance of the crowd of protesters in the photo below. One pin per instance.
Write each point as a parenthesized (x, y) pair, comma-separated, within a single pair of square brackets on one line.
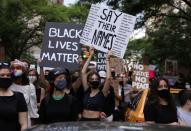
[(28, 98)]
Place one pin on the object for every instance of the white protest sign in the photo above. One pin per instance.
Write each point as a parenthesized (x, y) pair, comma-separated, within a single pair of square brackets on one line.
[(140, 76), (108, 29)]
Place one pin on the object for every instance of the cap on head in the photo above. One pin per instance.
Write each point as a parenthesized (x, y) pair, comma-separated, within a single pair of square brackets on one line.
[(4, 65), (56, 72)]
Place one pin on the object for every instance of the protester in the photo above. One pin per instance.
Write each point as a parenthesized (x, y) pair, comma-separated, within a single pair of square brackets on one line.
[(94, 98), (184, 112), (21, 84), (109, 104), (34, 79), (58, 106), (13, 108), (162, 109)]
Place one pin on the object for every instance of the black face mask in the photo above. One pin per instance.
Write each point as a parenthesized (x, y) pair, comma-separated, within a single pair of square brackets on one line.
[(165, 94), (121, 83), (46, 77), (5, 83), (94, 84)]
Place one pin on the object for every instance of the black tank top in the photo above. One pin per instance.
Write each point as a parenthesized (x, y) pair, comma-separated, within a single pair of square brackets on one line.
[(95, 103)]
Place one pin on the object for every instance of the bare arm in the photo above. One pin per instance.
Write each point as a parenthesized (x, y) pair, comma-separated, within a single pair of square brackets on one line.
[(84, 70), (23, 120), (108, 75)]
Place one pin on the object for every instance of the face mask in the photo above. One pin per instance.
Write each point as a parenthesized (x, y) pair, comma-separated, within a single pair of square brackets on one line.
[(164, 94), (94, 84), (5, 83), (32, 79), (113, 74), (46, 77), (17, 73), (60, 84), (121, 83), (187, 86), (102, 81)]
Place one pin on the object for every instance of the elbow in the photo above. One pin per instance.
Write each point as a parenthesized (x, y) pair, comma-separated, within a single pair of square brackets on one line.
[(24, 126)]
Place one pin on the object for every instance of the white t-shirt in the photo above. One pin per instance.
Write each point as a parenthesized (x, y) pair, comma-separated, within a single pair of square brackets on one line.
[(184, 117)]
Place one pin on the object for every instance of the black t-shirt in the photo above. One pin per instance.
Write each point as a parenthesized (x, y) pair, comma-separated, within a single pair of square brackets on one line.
[(79, 95), (10, 106), (62, 110), (160, 114)]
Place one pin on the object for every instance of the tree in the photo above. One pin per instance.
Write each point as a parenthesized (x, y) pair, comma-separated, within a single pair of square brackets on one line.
[(155, 9), (22, 22), (167, 24)]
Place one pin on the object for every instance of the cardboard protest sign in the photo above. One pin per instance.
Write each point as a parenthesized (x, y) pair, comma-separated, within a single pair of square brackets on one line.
[(101, 61), (117, 65), (140, 76), (108, 29), (61, 46)]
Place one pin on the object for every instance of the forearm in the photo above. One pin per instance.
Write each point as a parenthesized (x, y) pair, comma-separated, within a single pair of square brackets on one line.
[(84, 69), (108, 71)]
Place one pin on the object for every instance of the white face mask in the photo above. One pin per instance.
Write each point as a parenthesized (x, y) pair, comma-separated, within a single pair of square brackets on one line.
[(102, 81), (32, 79), (187, 86)]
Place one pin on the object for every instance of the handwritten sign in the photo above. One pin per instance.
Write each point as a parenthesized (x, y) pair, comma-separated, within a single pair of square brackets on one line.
[(61, 46), (140, 76), (107, 29)]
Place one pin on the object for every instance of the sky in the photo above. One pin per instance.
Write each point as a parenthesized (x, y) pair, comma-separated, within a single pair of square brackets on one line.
[(67, 2)]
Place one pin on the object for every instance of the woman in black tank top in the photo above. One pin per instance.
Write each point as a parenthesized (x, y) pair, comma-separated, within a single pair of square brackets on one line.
[(94, 99)]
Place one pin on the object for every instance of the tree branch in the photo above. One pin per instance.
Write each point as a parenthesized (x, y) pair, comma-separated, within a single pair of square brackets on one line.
[(181, 10), (173, 16), (187, 2)]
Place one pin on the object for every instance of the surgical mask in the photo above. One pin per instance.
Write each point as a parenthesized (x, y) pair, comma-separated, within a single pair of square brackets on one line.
[(5, 83), (60, 84), (102, 81), (187, 86), (94, 84), (17, 73), (32, 79)]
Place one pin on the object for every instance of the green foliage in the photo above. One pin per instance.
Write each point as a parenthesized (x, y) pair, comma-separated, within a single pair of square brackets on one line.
[(16, 16), (168, 25)]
